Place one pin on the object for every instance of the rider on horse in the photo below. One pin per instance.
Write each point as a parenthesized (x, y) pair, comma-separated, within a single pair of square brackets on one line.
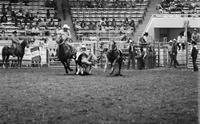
[(64, 33), (15, 42)]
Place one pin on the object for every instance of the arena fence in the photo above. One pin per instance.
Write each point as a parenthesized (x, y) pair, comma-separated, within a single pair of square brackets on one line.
[(38, 56)]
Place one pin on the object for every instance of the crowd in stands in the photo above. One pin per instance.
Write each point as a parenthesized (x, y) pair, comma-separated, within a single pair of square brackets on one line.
[(107, 4), (177, 5), (30, 22), (105, 24)]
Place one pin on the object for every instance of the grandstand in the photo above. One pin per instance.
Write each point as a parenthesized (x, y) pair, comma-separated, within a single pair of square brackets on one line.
[(94, 15)]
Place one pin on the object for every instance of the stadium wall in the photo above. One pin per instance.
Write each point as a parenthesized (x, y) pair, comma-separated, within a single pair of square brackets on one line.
[(170, 25)]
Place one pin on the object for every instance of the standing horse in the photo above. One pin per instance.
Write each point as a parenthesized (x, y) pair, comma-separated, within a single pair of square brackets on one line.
[(113, 56), (19, 51), (65, 53)]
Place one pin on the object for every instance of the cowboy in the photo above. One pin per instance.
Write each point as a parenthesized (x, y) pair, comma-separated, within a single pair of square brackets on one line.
[(15, 42), (132, 54), (113, 46), (143, 40), (83, 51), (194, 54), (170, 51), (64, 33), (174, 53), (195, 36)]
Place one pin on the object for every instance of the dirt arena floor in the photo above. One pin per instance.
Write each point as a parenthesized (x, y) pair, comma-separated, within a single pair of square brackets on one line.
[(47, 96)]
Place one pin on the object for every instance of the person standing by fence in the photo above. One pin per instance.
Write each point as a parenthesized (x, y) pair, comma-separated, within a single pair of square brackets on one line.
[(195, 36), (140, 59), (194, 54), (174, 53), (131, 54), (170, 52)]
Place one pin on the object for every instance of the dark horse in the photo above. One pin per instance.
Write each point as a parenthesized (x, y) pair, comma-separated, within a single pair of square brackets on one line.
[(65, 53), (18, 51), (113, 56)]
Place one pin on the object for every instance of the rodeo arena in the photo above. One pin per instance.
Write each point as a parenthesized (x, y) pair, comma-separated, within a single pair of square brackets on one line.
[(99, 61)]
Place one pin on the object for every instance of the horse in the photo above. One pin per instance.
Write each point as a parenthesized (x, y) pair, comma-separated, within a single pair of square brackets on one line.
[(113, 56), (19, 51), (65, 53), (83, 67)]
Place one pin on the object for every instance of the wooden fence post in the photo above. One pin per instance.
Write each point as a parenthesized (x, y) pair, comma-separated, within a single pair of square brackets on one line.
[(158, 54)]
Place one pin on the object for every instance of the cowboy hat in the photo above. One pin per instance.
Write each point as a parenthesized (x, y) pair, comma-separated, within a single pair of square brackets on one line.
[(66, 26), (195, 29), (174, 40), (170, 41)]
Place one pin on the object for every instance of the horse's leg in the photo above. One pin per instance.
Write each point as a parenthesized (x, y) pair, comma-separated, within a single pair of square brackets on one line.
[(6, 60), (112, 68), (68, 65), (90, 69), (106, 65), (82, 70), (76, 64), (20, 62), (120, 65), (78, 70), (64, 66), (3, 61)]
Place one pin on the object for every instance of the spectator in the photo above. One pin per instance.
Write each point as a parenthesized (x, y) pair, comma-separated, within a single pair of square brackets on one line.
[(13, 15), (3, 10), (90, 26), (26, 2), (63, 7), (126, 23), (131, 54), (194, 54), (102, 23), (144, 39), (55, 15), (169, 47), (9, 8), (43, 23), (13, 1), (174, 54), (83, 24), (107, 23), (195, 36), (51, 23), (4, 19), (140, 59), (59, 22), (35, 31), (181, 41), (3, 35), (113, 24), (132, 25), (48, 14)]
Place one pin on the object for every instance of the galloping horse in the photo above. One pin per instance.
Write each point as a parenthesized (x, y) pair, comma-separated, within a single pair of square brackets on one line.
[(65, 53), (18, 51), (83, 66), (113, 56)]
